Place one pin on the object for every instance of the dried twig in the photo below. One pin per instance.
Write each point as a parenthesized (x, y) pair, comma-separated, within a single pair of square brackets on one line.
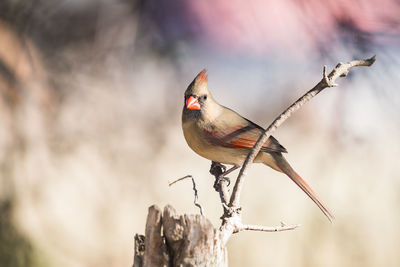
[(282, 227), (341, 70), (232, 217), (196, 196)]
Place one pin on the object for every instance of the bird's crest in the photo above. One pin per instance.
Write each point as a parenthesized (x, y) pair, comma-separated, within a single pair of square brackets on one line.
[(202, 76), (199, 85)]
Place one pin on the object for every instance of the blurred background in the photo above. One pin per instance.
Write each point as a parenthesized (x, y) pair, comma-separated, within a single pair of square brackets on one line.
[(91, 94)]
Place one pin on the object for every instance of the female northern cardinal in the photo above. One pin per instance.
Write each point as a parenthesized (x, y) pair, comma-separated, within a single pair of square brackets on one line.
[(222, 135)]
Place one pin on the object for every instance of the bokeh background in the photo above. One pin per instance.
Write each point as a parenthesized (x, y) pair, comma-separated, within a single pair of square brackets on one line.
[(91, 94)]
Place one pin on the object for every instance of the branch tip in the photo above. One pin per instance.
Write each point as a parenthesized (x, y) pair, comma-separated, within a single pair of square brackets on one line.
[(325, 75), (371, 60)]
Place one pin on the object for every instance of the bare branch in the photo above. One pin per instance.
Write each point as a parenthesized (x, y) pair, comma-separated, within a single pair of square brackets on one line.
[(232, 216), (282, 227), (196, 196), (340, 70)]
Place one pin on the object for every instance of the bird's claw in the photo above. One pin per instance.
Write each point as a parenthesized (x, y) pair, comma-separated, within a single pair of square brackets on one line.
[(227, 180)]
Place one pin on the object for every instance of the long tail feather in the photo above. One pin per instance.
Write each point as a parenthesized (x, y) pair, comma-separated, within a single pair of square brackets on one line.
[(288, 170)]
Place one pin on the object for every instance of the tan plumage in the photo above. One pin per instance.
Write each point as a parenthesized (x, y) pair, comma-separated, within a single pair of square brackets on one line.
[(222, 135)]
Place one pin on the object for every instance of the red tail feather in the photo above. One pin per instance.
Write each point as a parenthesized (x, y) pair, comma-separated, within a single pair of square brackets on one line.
[(284, 166)]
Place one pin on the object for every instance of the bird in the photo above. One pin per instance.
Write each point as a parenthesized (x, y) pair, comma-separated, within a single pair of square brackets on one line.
[(221, 135)]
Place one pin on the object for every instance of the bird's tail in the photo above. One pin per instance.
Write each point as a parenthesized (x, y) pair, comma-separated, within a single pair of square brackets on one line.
[(284, 166)]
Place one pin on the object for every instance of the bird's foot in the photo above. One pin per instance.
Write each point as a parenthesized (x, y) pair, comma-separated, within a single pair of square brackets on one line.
[(220, 172), (217, 168)]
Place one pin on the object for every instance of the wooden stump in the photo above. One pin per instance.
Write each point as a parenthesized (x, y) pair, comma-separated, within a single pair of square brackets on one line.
[(185, 240)]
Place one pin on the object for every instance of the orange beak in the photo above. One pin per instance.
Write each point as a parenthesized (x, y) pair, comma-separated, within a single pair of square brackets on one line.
[(192, 103)]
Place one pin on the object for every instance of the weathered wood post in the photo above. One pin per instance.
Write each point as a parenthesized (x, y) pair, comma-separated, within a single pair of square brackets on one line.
[(178, 240)]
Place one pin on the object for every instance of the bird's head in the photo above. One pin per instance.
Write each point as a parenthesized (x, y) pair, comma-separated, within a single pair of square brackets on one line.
[(197, 96)]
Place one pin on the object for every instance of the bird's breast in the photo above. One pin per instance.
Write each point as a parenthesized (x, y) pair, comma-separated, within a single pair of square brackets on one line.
[(195, 136)]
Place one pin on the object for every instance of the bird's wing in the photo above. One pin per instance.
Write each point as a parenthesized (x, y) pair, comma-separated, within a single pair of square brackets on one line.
[(243, 136)]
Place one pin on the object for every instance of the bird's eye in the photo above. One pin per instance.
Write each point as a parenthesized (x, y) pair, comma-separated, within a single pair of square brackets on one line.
[(204, 97)]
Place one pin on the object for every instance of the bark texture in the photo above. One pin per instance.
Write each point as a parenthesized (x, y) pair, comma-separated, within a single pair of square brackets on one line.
[(178, 240)]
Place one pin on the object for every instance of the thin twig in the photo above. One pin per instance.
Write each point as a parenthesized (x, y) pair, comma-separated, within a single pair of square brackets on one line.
[(340, 70), (196, 196), (282, 227)]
